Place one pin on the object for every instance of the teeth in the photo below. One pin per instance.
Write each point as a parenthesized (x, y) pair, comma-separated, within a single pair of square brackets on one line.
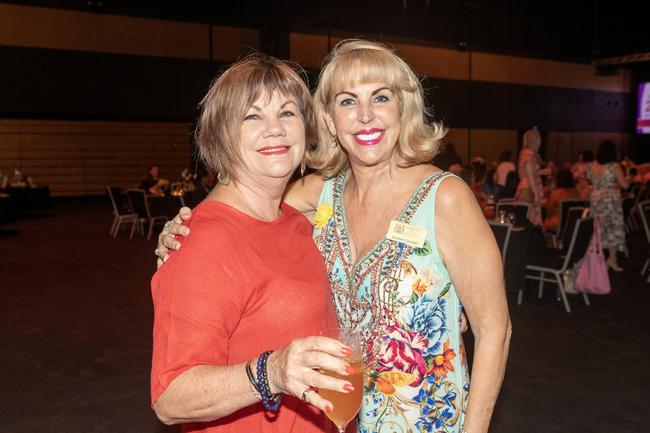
[(275, 149), (369, 137)]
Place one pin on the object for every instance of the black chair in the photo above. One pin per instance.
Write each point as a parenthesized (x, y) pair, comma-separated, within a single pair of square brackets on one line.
[(628, 204), (557, 264), (122, 214), (644, 211), (138, 199), (502, 233), (573, 214), (565, 205)]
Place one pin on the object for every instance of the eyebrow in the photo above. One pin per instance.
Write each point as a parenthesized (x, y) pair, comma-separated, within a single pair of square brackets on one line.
[(354, 95), (291, 101)]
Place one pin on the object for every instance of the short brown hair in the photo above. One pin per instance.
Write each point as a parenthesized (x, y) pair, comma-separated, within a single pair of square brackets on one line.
[(357, 61), (232, 94)]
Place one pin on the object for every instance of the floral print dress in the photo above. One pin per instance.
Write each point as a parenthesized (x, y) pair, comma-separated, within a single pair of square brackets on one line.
[(524, 189), (607, 206), (400, 299)]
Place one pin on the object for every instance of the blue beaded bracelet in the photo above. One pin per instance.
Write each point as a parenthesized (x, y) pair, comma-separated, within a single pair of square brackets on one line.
[(270, 401)]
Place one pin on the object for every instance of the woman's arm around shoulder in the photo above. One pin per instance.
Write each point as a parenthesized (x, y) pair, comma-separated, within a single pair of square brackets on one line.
[(304, 193), (473, 260)]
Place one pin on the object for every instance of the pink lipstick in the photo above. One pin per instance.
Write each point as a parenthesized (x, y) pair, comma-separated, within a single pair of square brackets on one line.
[(369, 137)]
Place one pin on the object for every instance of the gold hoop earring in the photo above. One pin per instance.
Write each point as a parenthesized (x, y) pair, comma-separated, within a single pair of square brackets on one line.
[(303, 166)]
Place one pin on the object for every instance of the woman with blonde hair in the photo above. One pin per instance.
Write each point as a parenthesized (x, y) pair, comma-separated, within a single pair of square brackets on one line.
[(406, 247)]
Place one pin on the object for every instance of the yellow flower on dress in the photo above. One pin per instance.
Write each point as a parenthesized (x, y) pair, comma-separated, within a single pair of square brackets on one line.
[(423, 280), (323, 215), (420, 285)]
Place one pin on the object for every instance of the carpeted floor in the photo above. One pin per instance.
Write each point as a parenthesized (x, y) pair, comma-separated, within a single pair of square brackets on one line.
[(75, 339)]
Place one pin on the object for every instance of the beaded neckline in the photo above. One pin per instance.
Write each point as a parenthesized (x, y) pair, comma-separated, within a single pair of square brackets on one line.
[(404, 216)]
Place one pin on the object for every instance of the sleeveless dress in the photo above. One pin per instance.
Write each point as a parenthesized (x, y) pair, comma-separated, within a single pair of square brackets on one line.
[(402, 302), (524, 189), (607, 206)]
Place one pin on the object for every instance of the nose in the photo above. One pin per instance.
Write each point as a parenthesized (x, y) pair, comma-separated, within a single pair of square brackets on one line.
[(365, 112), (273, 127)]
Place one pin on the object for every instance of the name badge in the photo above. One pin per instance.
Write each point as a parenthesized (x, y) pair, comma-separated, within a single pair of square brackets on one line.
[(412, 236)]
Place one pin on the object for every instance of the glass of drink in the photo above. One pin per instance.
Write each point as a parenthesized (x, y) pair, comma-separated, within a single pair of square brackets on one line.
[(346, 405)]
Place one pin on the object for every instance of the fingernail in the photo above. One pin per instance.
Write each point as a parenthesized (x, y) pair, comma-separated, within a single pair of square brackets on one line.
[(177, 245), (165, 259), (186, 231), (348, 387), (345, 351), (329, 409), (349, 369)]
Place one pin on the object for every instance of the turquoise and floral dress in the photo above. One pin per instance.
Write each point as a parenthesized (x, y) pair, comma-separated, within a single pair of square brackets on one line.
[(400, 299)]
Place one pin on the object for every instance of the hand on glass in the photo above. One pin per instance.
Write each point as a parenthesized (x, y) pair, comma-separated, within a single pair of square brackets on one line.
[(295, 369)]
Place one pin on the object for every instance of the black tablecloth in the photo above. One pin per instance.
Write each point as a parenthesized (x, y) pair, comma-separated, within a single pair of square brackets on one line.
[(7, 212), (30, 199), (168, 205), (525, 244)]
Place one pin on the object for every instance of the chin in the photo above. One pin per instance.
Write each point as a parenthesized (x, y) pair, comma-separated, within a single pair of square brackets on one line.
[(280, 172)]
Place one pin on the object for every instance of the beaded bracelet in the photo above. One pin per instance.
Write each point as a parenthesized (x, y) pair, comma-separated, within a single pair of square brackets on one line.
[(251, 380), (270, 401)]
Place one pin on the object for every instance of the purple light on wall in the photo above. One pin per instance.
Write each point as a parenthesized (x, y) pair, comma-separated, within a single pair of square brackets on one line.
[(643, 109)]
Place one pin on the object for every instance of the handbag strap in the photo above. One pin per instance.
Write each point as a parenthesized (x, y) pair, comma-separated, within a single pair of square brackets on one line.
[(595, 240)]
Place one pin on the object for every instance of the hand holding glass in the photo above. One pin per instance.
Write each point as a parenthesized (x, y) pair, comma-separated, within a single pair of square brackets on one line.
[(346, 405)]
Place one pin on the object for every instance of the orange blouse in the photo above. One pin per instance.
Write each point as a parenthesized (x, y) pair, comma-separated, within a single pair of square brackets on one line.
[(237, 287)]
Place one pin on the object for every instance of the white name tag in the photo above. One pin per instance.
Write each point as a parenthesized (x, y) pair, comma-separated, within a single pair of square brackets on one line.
[(412, 236)]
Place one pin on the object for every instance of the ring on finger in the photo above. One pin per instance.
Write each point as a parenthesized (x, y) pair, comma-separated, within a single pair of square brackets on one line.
[(305, 393)]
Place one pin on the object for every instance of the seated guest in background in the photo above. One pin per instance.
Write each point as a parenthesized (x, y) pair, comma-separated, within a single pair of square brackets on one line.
[(635, 176), (510, 188), (207, 180), (579, 170), (479, 160), (505, 166), (489, 186), (152, 184), (447, 157), (219, 311), (565, 189)]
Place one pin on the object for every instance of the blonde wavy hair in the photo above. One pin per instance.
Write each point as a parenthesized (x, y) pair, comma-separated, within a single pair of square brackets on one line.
[(356, 61)]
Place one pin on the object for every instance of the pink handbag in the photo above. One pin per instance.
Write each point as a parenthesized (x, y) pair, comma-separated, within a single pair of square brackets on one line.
[(593, 277)]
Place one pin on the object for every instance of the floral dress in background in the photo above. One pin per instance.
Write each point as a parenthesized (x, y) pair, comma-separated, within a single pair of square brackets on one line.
[(402, 302), (607, 206), (524, 189)]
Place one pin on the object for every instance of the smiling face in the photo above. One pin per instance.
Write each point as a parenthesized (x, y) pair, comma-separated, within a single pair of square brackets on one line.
[(272, 138), (366, 120)]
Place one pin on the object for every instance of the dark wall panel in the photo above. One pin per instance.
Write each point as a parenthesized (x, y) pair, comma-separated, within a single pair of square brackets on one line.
[(515, 106), (80, 85), (69, 84)]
